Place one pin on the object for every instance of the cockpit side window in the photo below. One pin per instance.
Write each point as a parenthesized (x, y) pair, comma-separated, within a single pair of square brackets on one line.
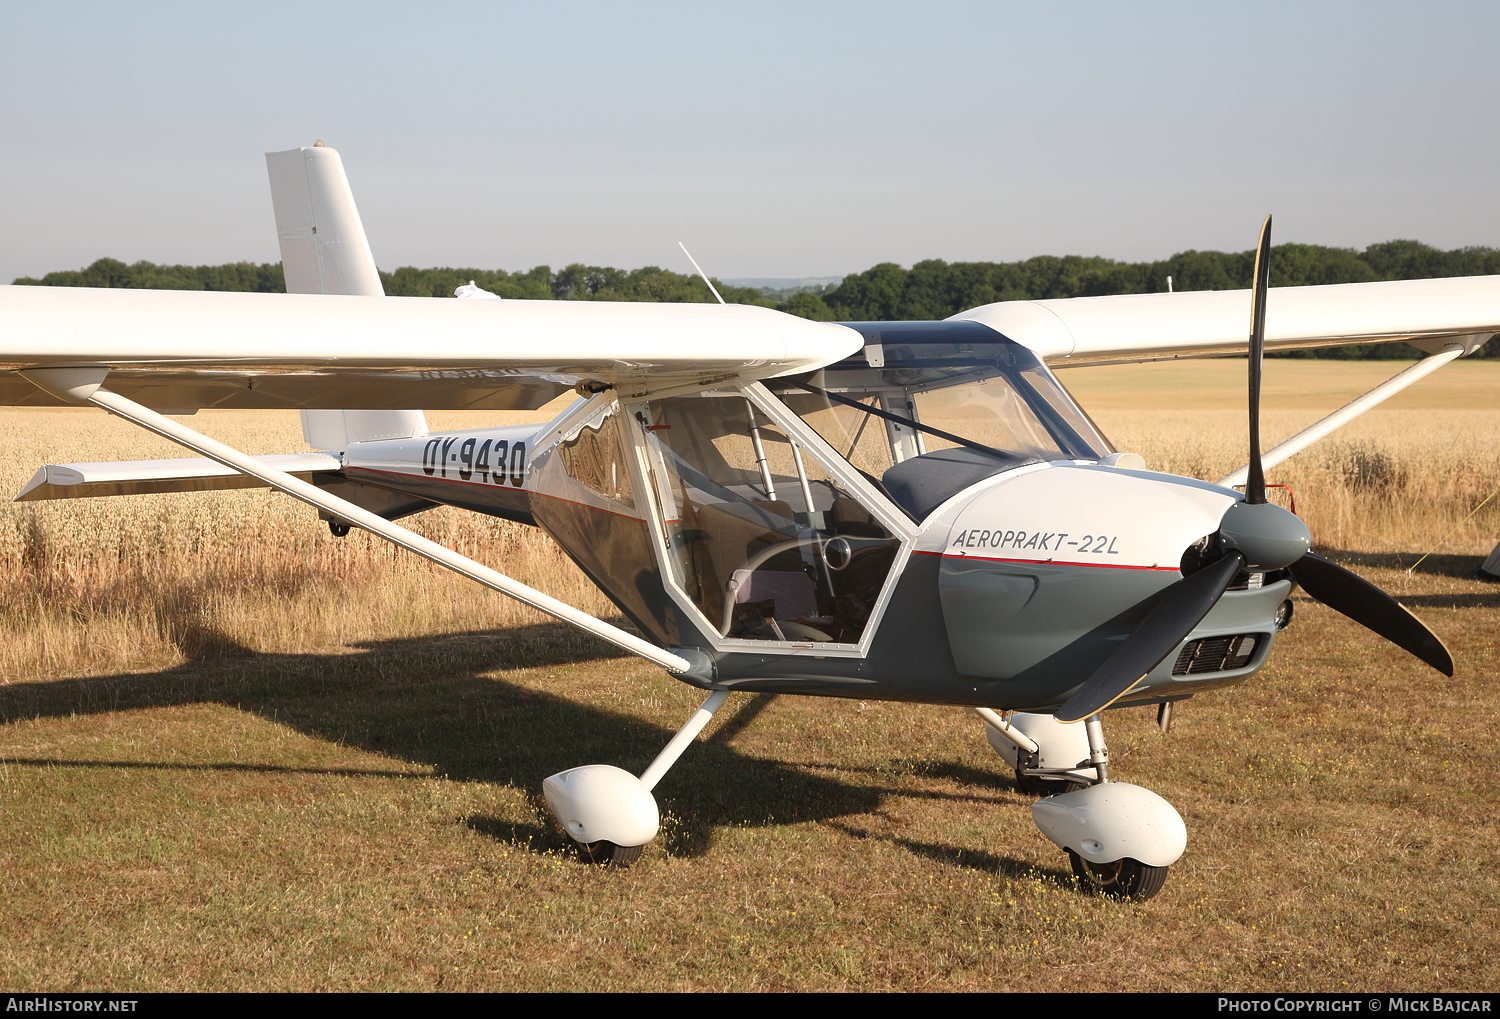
[(861, 437), (1065, 410), (593, 457)]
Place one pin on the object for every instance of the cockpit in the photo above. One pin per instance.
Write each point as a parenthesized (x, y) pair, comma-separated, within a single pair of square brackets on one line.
[(771, 533)]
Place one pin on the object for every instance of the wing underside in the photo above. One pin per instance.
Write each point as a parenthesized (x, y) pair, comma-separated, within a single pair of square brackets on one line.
[(186, 390), (182, 350)]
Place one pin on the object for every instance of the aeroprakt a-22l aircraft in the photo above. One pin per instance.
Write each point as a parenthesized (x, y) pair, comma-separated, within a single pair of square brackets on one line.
[(909, 511)]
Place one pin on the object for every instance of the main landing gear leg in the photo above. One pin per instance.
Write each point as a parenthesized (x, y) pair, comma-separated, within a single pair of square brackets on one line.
[(1120, 838), (607, 812)]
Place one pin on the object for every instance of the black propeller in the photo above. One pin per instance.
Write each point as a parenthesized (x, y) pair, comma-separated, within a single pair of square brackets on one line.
[(1260, 536), (1369, 606), (1255, 481), (1329, 583), (1180, 608)]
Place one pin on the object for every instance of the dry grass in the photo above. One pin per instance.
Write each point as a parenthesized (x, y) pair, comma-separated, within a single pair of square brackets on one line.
[(1395, 479), (150, 581), (240, 754)]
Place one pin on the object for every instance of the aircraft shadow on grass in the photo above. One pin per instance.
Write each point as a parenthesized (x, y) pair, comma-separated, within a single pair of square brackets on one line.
[(435, 701)]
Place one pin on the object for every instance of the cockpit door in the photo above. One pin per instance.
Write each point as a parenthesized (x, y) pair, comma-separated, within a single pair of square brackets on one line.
[(762, 533)]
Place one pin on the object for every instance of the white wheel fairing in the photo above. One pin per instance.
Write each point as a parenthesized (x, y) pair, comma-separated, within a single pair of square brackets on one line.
[(1058, 745), (601, 802), (1113, 821)]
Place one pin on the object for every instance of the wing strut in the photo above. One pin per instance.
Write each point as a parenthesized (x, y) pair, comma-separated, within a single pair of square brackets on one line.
[(1387, 389), (82, 385)]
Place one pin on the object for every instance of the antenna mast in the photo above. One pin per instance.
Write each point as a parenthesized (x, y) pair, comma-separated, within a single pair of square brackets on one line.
[(689, 254)]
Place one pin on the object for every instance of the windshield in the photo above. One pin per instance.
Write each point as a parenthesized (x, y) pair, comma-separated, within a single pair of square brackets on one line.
[(921, 387)]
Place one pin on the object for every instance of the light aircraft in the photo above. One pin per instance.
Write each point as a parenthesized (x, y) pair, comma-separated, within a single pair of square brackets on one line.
[(912, 511)]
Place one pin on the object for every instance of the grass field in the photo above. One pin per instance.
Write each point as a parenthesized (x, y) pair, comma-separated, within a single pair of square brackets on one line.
[(239, 754)]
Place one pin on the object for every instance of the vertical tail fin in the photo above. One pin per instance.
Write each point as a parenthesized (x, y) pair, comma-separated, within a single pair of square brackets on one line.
[(323, 244), (324, 251)]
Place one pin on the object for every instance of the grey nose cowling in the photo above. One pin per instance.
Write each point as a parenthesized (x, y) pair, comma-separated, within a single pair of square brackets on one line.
[(1265, 534)]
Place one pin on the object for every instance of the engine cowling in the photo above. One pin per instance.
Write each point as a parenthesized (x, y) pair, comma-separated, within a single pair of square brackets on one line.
[(1045, 570)]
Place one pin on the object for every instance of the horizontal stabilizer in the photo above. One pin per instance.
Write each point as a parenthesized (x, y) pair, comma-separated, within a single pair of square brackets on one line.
[(141, 477)]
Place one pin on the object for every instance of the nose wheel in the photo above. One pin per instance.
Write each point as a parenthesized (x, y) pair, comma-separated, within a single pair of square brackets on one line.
[(1122, 879), (1120, 838), (606, 853)]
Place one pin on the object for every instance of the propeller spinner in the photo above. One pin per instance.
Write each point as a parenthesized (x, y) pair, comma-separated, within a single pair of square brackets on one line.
[(1258, 536)]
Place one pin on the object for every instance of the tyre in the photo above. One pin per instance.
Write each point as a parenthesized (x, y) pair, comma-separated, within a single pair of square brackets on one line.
[(1122, 879), (606, 853)]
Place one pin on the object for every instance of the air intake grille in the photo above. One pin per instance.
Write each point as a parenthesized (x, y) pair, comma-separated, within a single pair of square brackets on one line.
[(1215, 654), (1244, 581)]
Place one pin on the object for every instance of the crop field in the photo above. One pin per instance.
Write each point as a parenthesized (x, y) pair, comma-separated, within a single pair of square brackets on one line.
[(237, 753)]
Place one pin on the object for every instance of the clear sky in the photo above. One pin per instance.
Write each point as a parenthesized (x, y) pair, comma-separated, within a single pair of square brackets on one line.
[(775, 139)]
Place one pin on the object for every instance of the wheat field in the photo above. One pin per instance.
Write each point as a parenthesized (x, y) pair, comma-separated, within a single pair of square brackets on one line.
[(1394, 480), (145, 581), (104, 584), (237, 753)]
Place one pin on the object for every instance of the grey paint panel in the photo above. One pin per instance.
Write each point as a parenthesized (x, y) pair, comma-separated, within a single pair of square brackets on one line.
[(908, 660), (379, 500), (1018, 621)]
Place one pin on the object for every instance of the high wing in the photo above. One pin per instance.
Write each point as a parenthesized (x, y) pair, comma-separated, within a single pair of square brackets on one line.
[(1431, 314), (183, 350)]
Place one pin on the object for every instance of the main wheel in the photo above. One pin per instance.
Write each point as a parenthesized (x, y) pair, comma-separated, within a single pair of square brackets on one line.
[(606, 853), (1123, 879)]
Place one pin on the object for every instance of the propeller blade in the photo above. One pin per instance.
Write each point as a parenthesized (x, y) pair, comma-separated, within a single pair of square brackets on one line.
[(1255, 481), (1368, 605), (1180, 608)]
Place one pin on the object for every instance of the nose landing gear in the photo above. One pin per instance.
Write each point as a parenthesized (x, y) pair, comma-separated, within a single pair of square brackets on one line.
[(1120, 838)]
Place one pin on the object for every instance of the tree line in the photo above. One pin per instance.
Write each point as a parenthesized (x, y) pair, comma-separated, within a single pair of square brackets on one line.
[(931, 289)]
